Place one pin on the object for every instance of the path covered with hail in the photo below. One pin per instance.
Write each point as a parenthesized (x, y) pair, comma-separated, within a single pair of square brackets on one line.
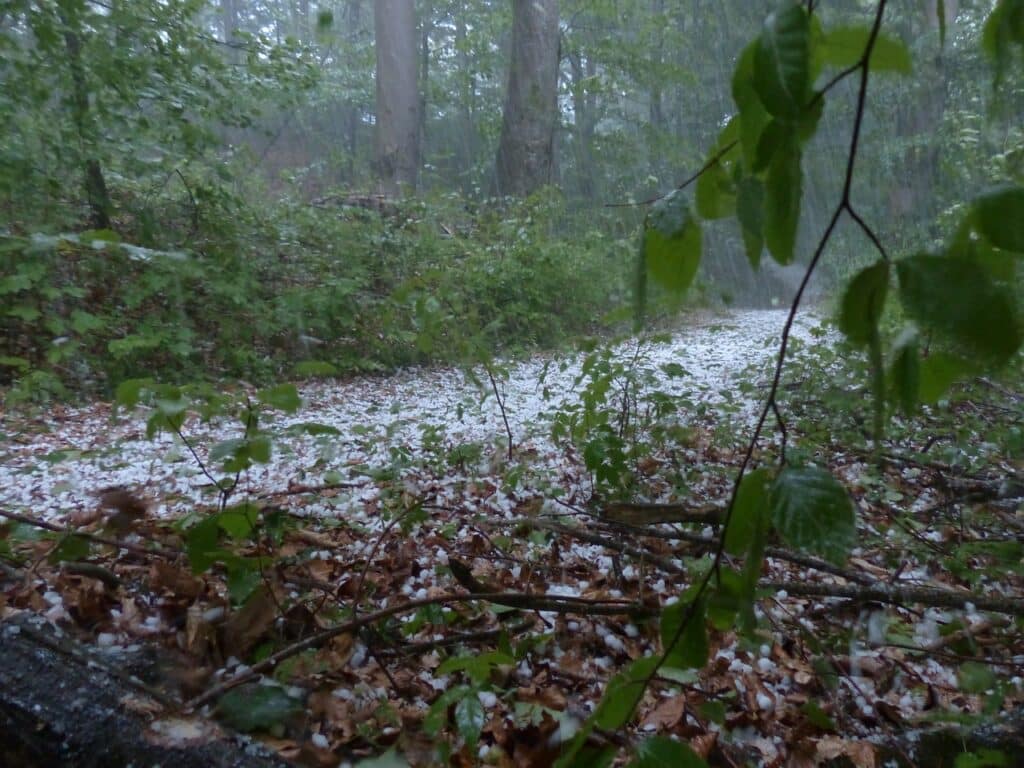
[(54, 464)]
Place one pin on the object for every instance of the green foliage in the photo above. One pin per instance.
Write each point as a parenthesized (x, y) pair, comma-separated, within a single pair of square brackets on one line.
[(812, 511), (663, 752), (672, 243), (257, 708)]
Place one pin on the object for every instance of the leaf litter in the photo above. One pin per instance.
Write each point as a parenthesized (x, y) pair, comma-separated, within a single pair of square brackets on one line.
[(405, 491)]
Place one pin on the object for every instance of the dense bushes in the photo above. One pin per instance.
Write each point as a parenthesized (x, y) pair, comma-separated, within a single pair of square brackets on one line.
[(255, 295)]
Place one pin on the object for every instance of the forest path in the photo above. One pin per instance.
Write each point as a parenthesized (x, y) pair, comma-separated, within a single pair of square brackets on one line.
[(52, 464)]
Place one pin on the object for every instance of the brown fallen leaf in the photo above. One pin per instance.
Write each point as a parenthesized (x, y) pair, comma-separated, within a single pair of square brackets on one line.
[(860, 753)]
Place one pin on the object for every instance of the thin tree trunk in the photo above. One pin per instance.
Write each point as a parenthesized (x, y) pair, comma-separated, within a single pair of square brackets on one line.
[(95, 184)]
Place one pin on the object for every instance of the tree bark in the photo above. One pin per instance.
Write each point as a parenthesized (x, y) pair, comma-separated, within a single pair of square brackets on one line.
[(64, 704), (398, 99), (526, 150), (95, 184)]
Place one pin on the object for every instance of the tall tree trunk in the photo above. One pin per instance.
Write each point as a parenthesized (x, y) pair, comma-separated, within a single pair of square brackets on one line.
[(581, 70), (426, 27), (230, 25), (526, 150), (354, 15), (398, 99), (95, 184), (466, 141)]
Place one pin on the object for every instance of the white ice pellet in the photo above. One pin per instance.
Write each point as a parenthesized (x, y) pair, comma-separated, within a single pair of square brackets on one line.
[(613, 642), (319, 741), (487, 698), (765, 702)]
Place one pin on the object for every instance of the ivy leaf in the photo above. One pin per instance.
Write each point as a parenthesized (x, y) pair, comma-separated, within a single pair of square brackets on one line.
[(843, 47), (690, 649), (663, 752), (672, 243), (783, 189), (958, 298), (623, 694), (782, 63), (812, 511), (999, 218), (750, 213), (863, 303), (256, 707)]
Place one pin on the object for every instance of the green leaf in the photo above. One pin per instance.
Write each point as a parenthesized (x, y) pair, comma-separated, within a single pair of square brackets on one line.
[(243, 579), (716, 190), (663, 752), (469, 719), (714, 711), (239, 521), (283, 397), (783, 189), (1003, 27), (727, 599), (813, 512), (315, 368), (782, 63), (863, 303), (71, 548), (129, 392), (690, 648), (999, 217), (843, 47), (313, 428), (749, 511), (202, 544), (256, 707), (672, 243), (817, 717), (905, 373), (957, 298), (937, 373), (750, 213), (390, 759), (623, 693), (437, 715), (752, 115), (975, 677)]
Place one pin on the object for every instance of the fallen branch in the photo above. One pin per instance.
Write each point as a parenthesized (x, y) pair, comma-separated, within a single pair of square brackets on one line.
[(511, 599), (136, 550), (892, 594)]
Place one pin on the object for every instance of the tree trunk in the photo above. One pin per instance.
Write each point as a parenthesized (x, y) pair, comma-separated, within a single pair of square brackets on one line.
[(526, 150), (398, 99), (64, 704), (466, 141), (95, 185)]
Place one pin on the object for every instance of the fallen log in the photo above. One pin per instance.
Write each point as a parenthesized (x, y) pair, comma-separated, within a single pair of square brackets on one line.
[(64, 704)]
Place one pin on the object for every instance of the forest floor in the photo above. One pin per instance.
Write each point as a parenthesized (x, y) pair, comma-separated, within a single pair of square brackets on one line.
[(386, 502)]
